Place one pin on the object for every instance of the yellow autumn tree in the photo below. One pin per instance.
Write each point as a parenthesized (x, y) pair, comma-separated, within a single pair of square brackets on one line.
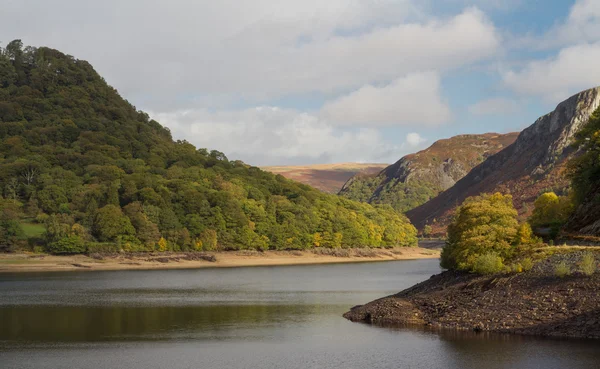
[(317, 239), (484, 226), (197, 245), (551, 210), (525, 235), (162, 245)]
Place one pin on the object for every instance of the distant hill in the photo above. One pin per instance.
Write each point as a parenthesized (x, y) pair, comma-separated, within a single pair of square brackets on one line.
[(326, 177), (100, 175), (533, 164), (417, 178)]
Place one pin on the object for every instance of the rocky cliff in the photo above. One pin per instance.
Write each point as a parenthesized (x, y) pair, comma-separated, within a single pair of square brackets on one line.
[(416, 178), (532, 164)]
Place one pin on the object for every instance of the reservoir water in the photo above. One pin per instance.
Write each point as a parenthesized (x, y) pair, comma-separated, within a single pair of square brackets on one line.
[(260, 317)]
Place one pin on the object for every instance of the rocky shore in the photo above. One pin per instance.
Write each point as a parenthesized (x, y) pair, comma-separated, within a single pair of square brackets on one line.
[(536, 302)]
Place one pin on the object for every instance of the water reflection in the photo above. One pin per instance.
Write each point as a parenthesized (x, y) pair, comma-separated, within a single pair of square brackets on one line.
[(272, 317), (91, 324)]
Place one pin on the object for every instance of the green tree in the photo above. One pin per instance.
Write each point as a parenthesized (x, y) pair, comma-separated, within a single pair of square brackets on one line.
[(111, 223), (482, 225), (10, 228), (427, 231), (209, 240), (146, 230), (551, 210), (51, 198)]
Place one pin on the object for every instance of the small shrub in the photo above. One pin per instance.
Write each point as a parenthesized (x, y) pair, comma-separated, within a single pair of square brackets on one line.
[(562, 269), (551, 243), (588, 264), (365, 253), (527, 264), (342, 253), (41, 218), (67, 245), (489, 263), (517, 268)]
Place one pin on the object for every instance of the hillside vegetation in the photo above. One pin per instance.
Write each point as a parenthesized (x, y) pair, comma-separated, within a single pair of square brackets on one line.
[(584, 172), (100, 175), (417, 178), (534, 164)]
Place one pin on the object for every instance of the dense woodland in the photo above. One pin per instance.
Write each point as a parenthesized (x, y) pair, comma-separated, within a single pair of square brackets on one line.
[(399, 195), (96, 174)]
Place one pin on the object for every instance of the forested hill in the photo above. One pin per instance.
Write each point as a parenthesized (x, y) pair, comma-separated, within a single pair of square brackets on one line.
[(98, 174)]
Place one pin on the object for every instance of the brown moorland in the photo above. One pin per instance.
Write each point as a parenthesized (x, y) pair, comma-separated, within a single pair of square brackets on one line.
[(326, 177)]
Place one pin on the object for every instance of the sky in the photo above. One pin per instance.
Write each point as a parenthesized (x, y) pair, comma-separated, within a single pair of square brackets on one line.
[(284, 82)]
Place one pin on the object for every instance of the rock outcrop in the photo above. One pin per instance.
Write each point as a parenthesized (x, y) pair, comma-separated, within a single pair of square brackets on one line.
[(533, 163)]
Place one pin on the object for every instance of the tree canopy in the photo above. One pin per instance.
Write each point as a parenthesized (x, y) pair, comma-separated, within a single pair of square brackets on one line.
[(551, 210), (484, 227), (97, 172)]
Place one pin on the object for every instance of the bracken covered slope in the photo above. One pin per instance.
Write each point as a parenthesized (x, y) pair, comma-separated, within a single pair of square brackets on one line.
[(416, 178), (535, 162)]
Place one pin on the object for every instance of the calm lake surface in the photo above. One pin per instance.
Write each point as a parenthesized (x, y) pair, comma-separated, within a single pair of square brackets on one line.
[(261, 317)]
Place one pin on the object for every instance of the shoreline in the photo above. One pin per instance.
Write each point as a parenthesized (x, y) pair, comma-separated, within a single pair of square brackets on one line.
[(27, 262), (535, 302)]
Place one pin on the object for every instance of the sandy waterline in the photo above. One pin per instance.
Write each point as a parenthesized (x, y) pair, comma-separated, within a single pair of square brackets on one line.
[(10, 263)]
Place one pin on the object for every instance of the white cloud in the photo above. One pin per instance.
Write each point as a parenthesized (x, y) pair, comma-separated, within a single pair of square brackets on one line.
[(414, 139), (495, 105), (582, 25), (163, 52), (194, 63), (575, 68), (271, 136), (408, 100)]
